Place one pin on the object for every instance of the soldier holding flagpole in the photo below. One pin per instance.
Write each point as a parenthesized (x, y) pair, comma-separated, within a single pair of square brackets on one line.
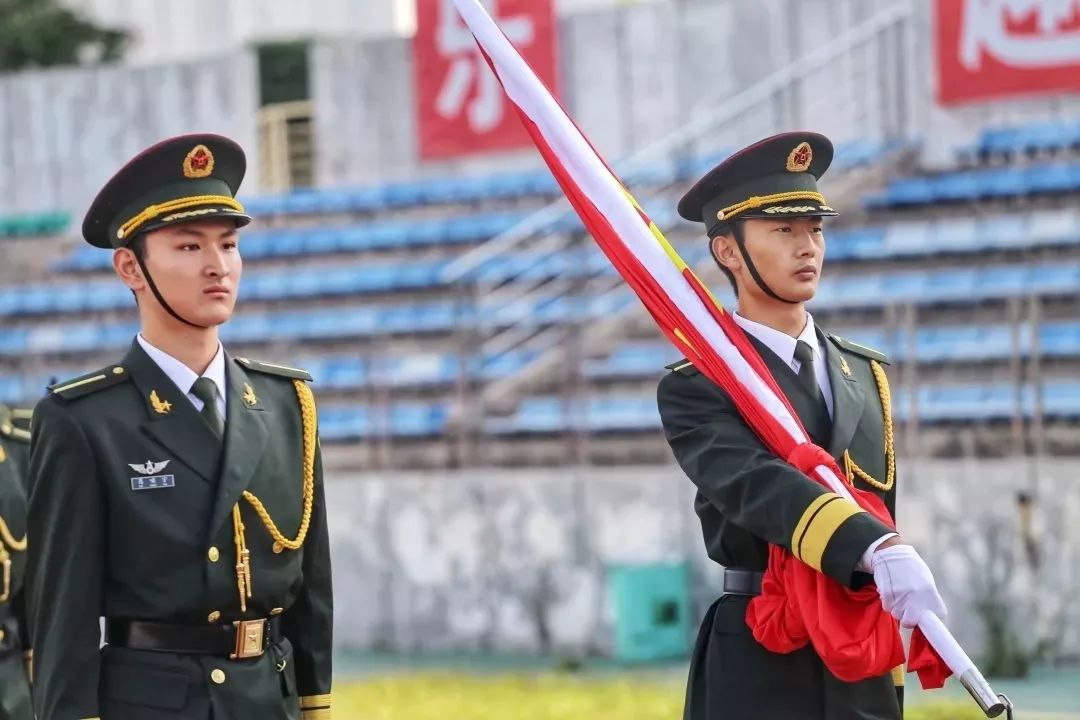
[(764, 216)]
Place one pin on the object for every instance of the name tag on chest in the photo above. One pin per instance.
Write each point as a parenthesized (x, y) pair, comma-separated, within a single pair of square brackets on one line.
[(154, 482)]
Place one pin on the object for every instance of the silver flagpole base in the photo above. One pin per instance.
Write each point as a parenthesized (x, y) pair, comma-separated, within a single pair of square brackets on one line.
[(989, 701)]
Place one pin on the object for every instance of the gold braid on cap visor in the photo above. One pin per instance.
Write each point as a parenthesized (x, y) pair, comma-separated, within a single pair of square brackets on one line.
[(153, 212), (758, 200)]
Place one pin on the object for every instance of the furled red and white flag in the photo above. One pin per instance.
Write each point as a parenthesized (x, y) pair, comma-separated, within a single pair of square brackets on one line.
[(849, 629)]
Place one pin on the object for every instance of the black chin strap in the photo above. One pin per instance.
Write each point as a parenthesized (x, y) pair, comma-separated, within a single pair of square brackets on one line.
[(160, 299), (740, 240)]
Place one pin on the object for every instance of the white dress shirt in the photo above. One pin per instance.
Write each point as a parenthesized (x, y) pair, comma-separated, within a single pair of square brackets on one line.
[(784, 346), (184, 377)]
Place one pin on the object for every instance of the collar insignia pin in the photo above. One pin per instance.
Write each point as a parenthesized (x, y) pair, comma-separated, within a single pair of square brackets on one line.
[(161, 407)]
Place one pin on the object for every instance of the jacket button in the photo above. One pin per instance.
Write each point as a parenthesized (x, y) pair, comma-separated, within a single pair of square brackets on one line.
[(213, 617), (213, 554), (218, 676)]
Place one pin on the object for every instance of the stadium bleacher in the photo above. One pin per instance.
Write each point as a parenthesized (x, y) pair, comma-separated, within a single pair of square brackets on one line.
[(372, 272)]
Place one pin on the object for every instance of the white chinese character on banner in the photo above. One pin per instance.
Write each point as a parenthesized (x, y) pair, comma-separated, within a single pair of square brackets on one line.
[(986, 30), (469, 69)]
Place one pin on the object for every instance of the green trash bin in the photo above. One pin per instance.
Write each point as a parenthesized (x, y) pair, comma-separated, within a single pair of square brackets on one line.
[(652, 611)]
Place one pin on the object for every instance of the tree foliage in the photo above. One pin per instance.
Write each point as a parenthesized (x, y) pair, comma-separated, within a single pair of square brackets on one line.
[(43, 33)]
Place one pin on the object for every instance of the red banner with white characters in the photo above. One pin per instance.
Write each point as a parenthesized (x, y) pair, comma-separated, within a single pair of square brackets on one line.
[(992, 49), (461, 109)]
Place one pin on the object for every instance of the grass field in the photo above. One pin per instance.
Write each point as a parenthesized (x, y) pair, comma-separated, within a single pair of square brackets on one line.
[(545, 696)]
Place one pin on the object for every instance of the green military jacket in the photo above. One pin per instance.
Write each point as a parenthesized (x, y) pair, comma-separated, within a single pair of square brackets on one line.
[(131, 517), (14, 638), (748, 498)]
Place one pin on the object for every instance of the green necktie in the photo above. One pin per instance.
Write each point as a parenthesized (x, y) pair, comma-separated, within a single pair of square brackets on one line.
[(206, 390), (807, 377)]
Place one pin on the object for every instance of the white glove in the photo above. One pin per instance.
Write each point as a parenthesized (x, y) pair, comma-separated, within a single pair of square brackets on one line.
[(906, 585)]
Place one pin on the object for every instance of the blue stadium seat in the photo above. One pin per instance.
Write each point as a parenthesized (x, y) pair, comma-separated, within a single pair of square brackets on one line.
[(353, 239), (957, 186), (419, 369), (951, 284), (340, 372), (66, 297), (320, 242), (1055, 278), (1054, 227), (1003, 182), (965, 402), (116, 336), (896, 287), (1005, 231), (14, 341), (264, 204), (909, 238), (36, 299), (9, 300), (1035, 136), (11, 389), (282, 243), (622, 413), (1000, 140), (417, 419), (632, 360), (1051, 178), (335, 200), (957, 235), (1002, 281), (954, 343), (536, 415), (1060, 338), (345, 422), (367, 199), (860, 243), (302, 202), (387, 235), (910, 191), (1061, 398), (506, 364)]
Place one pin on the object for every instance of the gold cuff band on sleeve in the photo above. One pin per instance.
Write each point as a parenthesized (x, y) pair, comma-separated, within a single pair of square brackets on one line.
[(817, 526), (315, 702)]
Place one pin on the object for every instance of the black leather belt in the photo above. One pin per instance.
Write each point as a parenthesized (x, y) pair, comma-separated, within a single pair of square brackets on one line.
[(742, 582), (237, 640)]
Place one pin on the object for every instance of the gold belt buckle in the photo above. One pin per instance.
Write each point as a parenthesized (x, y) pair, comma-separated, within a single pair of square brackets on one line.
[(250, 637)]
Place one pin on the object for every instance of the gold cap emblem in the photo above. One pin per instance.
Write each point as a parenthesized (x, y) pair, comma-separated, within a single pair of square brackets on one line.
[(800, 158), (199, 163)]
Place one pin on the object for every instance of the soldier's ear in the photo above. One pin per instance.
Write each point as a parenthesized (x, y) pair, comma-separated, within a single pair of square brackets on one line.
[(127, 267), (725, 253)]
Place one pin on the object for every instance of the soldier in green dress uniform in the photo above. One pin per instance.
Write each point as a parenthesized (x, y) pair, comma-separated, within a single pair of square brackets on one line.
[(178, 493), (763, 214), (14, 638)]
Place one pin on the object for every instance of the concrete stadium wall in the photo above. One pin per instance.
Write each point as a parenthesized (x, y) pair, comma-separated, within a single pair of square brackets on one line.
[(495, 560), (629, 76), (64, 132)]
